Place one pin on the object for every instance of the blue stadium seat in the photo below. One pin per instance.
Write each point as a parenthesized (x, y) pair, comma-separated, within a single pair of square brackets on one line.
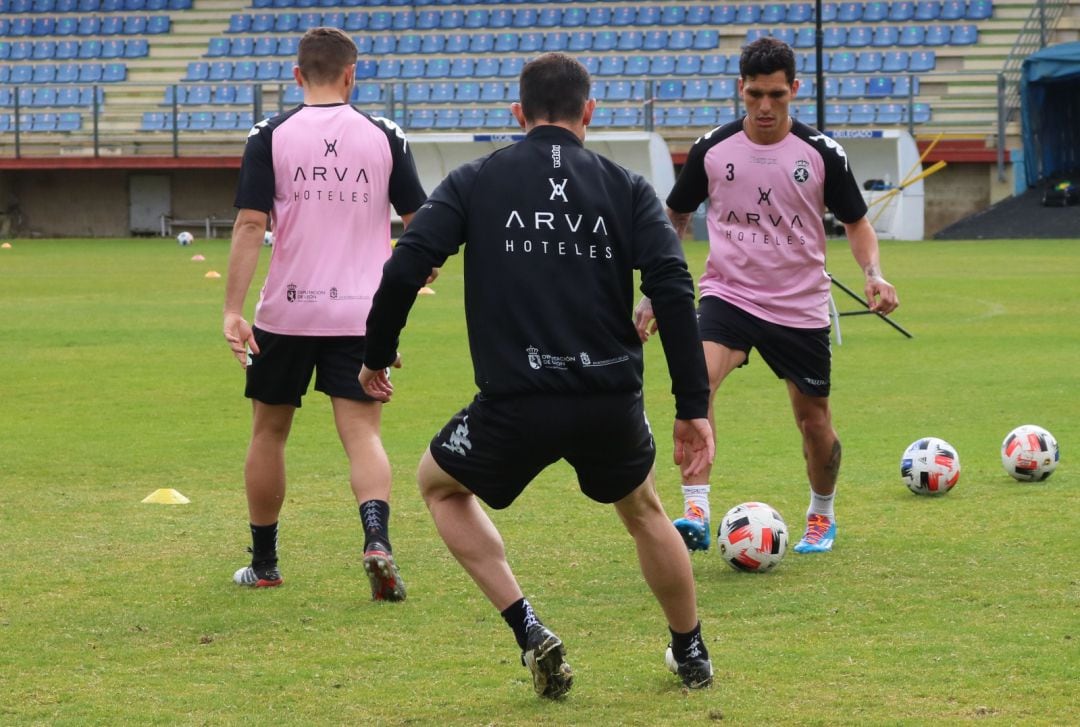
[(668, 90), (366, 93), (580, 41), (499, 119), (136, 48), (287, 23), (334, 19), (862, 114), (911, 35), (573, 17), (722, 89), (367, 68), (672, 15), (591, 63), (631, 40), (963, 35), (626, 117), (901, 11), (198, 95), (713, 64), (805, 37), (836, 114), (706, 40), (66, 26), (936, 35), (859, 36), (829, 12), (655, 40), (549, 18), (747, 14), (484, 68), (197, 71), (510, 67), (979, 10), (841, 62), (618, 91), (295, 95), (464, 92), (602, 117), (705, 116), (677, 116), (133, 25), (885, 36), (462, 67), (382, 45), (953, 10), (807, 62), (239, 23), (72, 96), (88, 73), (111, 48), (834, 36), (44, 73), (662, 65), (412, 68), (88, 26), (417, 92), (434, 43), (379, 20), (604, 40), (876, 12), (772, 14), (493, 91), (226, 121), (849, 12), (155, 25), (354, 20), (389, 68), (868, 61), (500, 18), (43, 26), (65, 72), (307, 21), (200, 120), (807, 88), (732, 65), (224, 94), (612, 65), (832, 87), (266, 45), (695, 89), (236, 47), (268, 70), (697, 15), (687, 65), (65, 50), (471, 118), (920, 113), (598, 17), (895, 61), (679, 40), (637, 65), (20, 50), (402, 20), (409, 43), (648, 15), (799, 13), (44, 122), (555, 41), (437, 68), (889, 114), (427, 19), (456, 44), (153, 121), (530, 42), (220, 71), (623, 16), (524, 18), (447, 118), (927, 10), (44, 50), (44, 96), (879, 87), (452, 20), (245, 71), (263, 23), (905, 86)]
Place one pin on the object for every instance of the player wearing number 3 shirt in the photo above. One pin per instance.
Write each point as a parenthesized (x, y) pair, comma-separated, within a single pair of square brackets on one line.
[(768, 179)]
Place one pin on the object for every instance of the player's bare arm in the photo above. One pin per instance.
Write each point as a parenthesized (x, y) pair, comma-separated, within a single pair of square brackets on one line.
[(880, 294), (680, 221), (247, 239)]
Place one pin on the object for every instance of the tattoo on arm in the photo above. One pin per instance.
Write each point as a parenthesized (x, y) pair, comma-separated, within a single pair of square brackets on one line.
[(872, 271)]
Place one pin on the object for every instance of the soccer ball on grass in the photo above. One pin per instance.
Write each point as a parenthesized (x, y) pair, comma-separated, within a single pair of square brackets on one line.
[(930, 466), (185, 238), (268, 238), (752, 537), (1030, 453)]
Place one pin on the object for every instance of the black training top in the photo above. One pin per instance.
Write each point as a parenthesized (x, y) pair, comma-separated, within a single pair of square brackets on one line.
[(552, 234)]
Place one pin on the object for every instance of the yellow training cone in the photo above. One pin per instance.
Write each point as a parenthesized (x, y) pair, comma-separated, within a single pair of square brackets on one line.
[(166, 497), (426, 291), (6, 246), (212, 274)]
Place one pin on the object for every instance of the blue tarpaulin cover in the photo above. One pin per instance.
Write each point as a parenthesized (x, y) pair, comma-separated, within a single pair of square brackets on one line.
[(1050, 112)]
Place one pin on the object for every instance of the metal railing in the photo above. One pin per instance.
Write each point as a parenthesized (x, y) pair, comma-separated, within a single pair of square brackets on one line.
[(1032, 37)]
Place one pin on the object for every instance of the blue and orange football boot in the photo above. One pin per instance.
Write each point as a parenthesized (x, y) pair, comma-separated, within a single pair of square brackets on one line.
[(819, 536), (694, 528)]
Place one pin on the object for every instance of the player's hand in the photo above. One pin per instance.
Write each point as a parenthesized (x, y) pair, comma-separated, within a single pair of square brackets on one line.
[(644, 320), (239, 336), (376, 383), (431, 278), (694, 446), (881, 295)]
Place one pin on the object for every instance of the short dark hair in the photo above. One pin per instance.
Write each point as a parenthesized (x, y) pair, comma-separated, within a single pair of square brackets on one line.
[(554, 87), (767, 55), (323, 54)]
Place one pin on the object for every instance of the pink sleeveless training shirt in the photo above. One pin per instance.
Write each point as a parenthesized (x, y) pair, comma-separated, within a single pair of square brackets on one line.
[(764, 216), (327, 175)]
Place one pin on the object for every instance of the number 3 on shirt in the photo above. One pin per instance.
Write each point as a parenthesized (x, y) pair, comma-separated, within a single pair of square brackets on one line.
[(730, 172)]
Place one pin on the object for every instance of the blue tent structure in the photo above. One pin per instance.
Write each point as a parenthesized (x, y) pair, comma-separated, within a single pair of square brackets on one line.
[(1050, 113)]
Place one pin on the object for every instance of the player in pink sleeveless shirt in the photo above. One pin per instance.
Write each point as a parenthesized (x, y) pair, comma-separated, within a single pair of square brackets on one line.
[(326, 175), (768, 179)]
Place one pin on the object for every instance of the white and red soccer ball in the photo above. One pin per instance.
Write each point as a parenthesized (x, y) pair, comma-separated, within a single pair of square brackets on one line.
[(930, 466), (1030, 453), (752, 537)]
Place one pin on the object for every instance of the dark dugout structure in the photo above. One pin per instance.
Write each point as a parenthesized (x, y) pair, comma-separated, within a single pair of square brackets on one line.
[(1050, 113)]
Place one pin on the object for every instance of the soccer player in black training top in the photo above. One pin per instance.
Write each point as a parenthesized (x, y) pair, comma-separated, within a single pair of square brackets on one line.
[(552, 235)]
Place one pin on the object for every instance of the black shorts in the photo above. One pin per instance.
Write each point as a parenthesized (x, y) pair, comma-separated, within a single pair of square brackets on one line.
[(282, 370), (803, 356), (496, 446)]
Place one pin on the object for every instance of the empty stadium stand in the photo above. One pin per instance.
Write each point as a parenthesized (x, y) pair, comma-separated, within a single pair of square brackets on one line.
[(136, 71)]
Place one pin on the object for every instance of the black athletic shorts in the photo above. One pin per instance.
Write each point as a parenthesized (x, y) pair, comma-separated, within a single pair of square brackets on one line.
[(496, 446), (282, 370), (800, 355)]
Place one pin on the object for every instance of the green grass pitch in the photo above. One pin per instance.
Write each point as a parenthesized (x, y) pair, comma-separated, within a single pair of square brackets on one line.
[(115, 382)]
